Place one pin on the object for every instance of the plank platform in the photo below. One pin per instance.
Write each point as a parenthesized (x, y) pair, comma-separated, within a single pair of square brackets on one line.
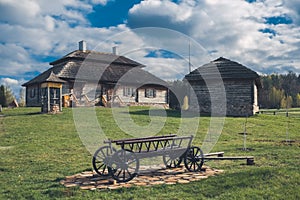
[(249, 159)]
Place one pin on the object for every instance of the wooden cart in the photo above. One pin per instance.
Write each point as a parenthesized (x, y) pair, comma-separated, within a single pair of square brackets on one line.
[(123, 164)]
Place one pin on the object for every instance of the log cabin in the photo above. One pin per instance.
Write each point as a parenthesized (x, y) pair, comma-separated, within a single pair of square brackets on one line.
[(241, 87)]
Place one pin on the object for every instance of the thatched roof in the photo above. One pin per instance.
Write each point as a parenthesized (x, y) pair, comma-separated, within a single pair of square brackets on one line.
[(226, 68), (98, 67)]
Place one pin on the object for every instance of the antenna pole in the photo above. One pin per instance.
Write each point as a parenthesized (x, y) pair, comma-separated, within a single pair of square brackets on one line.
[(190, 67)]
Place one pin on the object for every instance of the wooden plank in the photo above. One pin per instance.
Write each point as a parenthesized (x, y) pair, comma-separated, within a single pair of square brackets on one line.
[(219, 154), (143, 138), (230, 158), (249, 159), (150, 140)]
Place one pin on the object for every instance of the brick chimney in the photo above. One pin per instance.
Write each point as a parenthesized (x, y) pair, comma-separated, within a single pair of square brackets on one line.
[(115, 50), (82, 46)]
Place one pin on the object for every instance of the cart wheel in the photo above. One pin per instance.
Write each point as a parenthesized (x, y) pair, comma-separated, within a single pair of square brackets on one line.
[(124, 165), (172, 161), (193, 159), (101, 160)]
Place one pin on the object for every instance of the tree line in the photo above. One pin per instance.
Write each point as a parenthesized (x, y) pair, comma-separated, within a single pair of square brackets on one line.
[(280, 91)]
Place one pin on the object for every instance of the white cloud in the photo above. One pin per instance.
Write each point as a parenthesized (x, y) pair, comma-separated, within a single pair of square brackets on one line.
[(9, 81), (101, 2), (14, 12), (294, 9), (230, 28), (176, 13), (40, 29), (37, 28)]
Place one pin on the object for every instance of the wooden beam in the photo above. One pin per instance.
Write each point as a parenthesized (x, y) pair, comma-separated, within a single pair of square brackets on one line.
[(219, 154), (249, 159)]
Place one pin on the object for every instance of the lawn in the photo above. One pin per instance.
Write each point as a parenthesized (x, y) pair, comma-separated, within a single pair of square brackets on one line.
[(39, 150)]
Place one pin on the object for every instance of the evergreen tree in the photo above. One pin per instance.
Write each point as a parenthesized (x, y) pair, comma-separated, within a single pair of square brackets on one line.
[(6, 96), (2, 96)]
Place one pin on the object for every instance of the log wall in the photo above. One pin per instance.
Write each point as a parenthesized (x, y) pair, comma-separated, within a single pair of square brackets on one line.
[(241, 97), (33, 96)]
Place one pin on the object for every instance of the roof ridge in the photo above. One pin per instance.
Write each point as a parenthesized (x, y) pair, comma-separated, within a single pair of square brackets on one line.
[(93, 55), (228, 69)]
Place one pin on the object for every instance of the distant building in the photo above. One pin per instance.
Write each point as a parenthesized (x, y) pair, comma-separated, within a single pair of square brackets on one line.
[(90, 78), (241, 87)]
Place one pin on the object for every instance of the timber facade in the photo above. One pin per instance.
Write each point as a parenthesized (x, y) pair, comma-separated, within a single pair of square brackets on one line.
[(241, 88), (94, 78)]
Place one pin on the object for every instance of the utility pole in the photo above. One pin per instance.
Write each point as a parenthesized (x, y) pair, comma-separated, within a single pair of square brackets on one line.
[(190, 66)]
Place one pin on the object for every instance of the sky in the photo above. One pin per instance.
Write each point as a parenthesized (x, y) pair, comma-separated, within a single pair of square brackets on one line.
[(164, 35)]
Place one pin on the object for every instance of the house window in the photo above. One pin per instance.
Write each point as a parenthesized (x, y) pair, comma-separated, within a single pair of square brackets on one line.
[(66, 89), (128, 92), (150, 93), (32, 93)]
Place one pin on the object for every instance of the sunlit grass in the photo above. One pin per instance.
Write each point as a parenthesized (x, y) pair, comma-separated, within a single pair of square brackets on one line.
[(39, 150)]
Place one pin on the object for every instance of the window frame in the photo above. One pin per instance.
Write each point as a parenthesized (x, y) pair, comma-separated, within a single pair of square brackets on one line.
[(150, 93), (129, 92)]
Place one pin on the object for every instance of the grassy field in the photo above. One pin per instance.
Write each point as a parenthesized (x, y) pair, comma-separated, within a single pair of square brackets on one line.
[(39, 150), (291, 112)]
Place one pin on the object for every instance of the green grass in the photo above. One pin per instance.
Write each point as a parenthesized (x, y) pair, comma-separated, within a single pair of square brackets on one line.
[(292, 112), (39, 150)]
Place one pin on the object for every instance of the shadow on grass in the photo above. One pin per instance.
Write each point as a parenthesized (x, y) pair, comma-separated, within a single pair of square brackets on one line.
[(170, 113), (23, 114)]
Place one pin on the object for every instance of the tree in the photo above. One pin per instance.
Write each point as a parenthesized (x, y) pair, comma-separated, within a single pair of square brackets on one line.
[(6, 95), (275, 97), (298, 100), (289, 102), (2, 96), (22, 97), (286, 102), (276, 87)]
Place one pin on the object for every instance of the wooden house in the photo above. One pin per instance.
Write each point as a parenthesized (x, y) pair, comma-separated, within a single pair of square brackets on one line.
[(241, 87), (95, 78)]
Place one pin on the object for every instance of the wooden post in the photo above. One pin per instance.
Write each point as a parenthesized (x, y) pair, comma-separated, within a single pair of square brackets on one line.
[(250, 161), (60, 99), (48, 98)]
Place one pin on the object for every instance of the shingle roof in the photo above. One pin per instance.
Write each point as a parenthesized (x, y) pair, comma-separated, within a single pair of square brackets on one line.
[(226, 68), (98, 67), (53, 78), (78, 55), (46, 76)]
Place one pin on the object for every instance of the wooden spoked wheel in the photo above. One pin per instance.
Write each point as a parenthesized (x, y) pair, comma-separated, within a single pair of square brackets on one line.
[(124, 165), (101, 160), (172, 161), (193, 159)]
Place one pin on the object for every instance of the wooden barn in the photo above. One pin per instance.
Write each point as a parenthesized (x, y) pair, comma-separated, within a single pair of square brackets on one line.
[(241, 87), (94, 78)]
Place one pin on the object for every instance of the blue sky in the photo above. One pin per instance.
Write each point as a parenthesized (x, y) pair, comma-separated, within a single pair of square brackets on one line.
[(263, 35)]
